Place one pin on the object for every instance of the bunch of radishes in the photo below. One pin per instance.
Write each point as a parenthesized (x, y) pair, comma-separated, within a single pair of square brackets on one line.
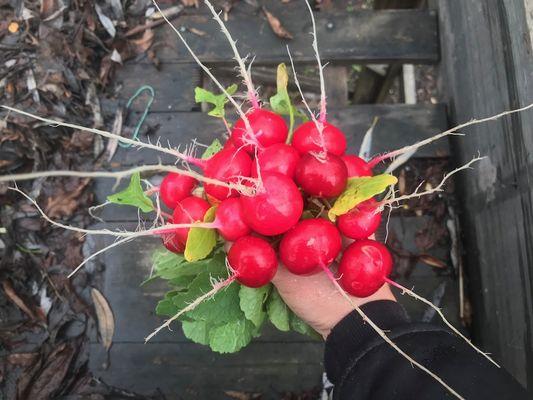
[(278, 219)]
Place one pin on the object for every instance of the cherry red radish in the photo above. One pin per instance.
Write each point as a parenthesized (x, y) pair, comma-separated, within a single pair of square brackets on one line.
[(361, 221), (253, 260), (322, 177), (275, 208), (190, 209), (307, 139), (279, 157), (309, 245), (175, 187), (356, 166), (268, 128), (228, 165), (172, 243), (364, 267), (229, 220)]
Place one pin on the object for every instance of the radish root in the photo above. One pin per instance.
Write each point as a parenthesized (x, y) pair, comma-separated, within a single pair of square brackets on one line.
[(437, 309), (216, 288), (438, 188), (384, 336), (452, 131), (245, 74), (207, 71)]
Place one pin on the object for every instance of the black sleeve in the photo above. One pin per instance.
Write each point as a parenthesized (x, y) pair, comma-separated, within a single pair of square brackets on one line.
[(362, 366)]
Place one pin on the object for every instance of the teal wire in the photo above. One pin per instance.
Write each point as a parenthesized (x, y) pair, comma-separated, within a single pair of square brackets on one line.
[(135, 135)]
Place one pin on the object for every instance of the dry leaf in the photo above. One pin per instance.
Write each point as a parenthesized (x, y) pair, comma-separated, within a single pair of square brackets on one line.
[(106, 321), (144, 43), (13, 296), (190, 3), (276, 26), (432, 261), (112, 144), (64, 204), (197, 32)]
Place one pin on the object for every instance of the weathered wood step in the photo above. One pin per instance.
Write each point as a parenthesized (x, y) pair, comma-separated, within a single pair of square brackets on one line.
[(362, 36)]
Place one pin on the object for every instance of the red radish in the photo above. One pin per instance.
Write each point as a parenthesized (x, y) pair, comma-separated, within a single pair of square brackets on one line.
[(361, 221), (325, 177), (190, 209), (175, 187), (307, 139), (309, 245), (227, 165), (356, 166), (172, 243), (253, 260), (279, 157), (364, 267), (275, 208), (229, 220), (268, 128)]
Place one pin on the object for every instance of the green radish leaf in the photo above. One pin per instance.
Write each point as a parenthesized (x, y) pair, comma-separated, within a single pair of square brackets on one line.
[(278, 312), (298, 325), (217, 100), (223, 307), (212, 149), (201, 241), (197, 331), (231, 337), (252, 301), (166, 307), (358, 190), (133, 195)]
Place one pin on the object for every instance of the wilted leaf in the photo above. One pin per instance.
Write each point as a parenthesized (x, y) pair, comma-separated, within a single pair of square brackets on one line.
[(106, 321), (276, 25), (13, 296), (64, 204), (432, 261), (358, 190), (201, 241)]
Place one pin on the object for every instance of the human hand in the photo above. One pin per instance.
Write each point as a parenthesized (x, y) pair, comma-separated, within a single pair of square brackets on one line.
[(317, 301)]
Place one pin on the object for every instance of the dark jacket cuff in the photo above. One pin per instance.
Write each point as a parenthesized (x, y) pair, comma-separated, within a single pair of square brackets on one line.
[(351, 334)]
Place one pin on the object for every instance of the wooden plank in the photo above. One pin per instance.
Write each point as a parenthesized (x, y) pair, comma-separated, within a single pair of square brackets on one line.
[(488, 68), (361, 36), (336, 80), (126, 267), (193, 372), (172, 83), (398, 126)]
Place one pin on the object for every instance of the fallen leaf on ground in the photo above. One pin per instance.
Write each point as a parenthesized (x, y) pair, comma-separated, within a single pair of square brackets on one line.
[(106, 321), (432, 261), (64, 204), (276, 25), (14, 297)]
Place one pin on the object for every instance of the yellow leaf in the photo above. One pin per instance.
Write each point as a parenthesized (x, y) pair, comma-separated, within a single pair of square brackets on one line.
[(201, 241), (358, 190)]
